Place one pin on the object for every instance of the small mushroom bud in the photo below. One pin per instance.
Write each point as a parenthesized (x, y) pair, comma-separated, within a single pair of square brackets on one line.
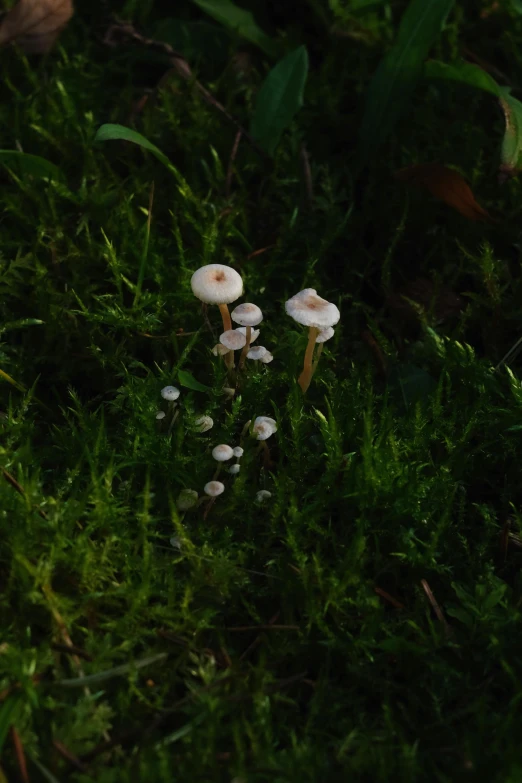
[(234, 469), (170, 393), (257, 353), (262, 495), (248, 315), (233, 340), (186, 499), (220, 350), (267, 358), (204, 423), (222, 453), (160, 415), (238, 451), (214, 488)]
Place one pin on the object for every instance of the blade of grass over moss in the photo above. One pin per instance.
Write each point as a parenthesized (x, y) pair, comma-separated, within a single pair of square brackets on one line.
[(110, 132), (8, 713), (511, 151), (464, 73), (108, 674), (393, 83), (239, 21), (24, 164), (279, 99)]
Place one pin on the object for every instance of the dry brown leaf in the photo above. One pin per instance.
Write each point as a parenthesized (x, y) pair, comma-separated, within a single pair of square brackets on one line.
[(447, 185), (35, 24)]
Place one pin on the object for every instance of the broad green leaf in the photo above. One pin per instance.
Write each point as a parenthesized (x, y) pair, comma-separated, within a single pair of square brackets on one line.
[(465, 73), (189, 382), (108, 674), (279, 99), (398, 73), (511, 151), (110, 132), (240, 21), (33, 165)]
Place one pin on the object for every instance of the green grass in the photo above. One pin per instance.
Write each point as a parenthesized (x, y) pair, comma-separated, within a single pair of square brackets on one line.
[(401, 464)]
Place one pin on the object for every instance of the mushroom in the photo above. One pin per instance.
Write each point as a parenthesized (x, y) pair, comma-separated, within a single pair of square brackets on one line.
[(234, 469), (186, 499), (264, 427), (247, 315), (322, 337), (254, 334), (222, 453), (204, 423), (219, 285), (238, 452), (257, 353), (232, 340), (170, 393), (267, 358), (214, 488), (220, 350), (262, 495), (318, 314), (160, 415)]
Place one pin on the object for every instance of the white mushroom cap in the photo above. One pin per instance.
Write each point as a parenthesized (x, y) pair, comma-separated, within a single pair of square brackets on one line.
[(204, 423), (222, 452), (257, 352), (220, 350), (254, 334), (228, 391), (186, 499), (216, 284), (233, 340), (160, 415), (234, 469), (325, 334), (309, 309), (170, 393), (247, 314), (267, 358), (263, 494), (238, 451), (264, 427), (175, 542), (214, 488)]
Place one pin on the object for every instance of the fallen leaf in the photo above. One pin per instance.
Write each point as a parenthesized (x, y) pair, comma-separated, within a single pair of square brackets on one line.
[(447, 185), (35, 24)]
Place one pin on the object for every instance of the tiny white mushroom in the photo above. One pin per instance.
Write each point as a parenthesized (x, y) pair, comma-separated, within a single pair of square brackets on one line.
[(170, 393), (262, 495), (233, 340), (175, 542), (254, 335), (248, 315), (311, 310), (264, 427), (186, 499), (214, 488), (234, 469), (222, 453), (220, 350), (267, 358), (257, 353), (204, 423), (228, 391), (325, 334), (160, 415), (238, 451), (220, 285)]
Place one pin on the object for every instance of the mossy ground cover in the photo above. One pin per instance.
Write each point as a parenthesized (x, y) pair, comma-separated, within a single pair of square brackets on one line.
[(365, 621)]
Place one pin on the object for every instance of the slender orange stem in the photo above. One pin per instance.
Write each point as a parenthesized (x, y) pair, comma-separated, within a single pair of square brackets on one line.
[(317, 357), (306, 376), (227, 325), (246, 348)]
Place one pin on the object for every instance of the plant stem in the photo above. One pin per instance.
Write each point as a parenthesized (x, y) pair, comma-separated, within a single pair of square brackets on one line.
[(246, 348), (306, 376)]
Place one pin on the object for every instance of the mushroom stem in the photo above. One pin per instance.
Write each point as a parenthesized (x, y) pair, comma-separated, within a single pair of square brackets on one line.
[(246, 349), (227, 325), (306, 376), (264, 449), (317, 357)]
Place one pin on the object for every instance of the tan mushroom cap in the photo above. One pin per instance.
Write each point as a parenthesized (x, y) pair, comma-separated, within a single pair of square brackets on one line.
[(222, 453), (214, 488), (257, 352), (247, 314), (233, 340), (325, 334), (216, 284), (264, 427), (309, 309), (220, 350)]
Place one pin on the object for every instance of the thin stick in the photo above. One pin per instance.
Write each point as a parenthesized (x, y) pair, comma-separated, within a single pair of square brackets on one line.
[(435, 605), (20, 755), (387, 597)]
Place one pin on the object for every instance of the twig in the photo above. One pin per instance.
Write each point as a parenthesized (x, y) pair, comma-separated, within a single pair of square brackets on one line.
[(68, 756), (231, 161), (71, 650), (387, 597), (127, 31), (21, 491), (307, 172), (436, 607), (257, 641), (20, 755)]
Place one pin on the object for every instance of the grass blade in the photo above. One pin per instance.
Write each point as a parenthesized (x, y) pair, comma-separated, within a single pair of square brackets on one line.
[(240, 21), (396, 77), (187, 380), (7, 715), (108, 674), (511, 151), (110, 132), (279, 99), (465, 73), (30, 165)]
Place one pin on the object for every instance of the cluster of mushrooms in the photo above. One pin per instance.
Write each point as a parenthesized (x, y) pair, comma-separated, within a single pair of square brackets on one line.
[(221, 285)]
